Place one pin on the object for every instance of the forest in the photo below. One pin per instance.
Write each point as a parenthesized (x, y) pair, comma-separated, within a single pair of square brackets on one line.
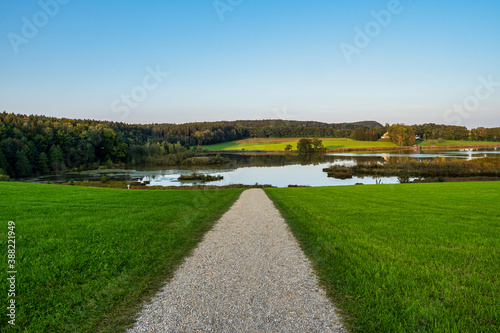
[(37, 145)]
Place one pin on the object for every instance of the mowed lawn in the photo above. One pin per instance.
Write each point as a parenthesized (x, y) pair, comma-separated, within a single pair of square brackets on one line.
[(88, 257), (281, 143), (404, 258)]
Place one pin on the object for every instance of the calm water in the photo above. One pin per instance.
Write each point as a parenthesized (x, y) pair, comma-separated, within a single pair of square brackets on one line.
[(291, 170), (279, 170)]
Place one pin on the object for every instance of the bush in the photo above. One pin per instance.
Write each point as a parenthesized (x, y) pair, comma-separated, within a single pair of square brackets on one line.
[(304, 146), (440, 140), (404, 177), (103, 179), (109, 164)]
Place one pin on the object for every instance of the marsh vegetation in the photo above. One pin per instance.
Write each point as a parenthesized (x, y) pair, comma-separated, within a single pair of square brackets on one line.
[(427, 170)]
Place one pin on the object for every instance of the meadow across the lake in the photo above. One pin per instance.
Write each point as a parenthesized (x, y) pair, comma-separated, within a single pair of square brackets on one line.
[(88, 257), (403, 258), (279, 144), (274, 144)]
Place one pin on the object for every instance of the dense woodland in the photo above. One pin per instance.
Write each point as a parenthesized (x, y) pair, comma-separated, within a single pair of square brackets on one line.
[(36, 145), (368, 134)]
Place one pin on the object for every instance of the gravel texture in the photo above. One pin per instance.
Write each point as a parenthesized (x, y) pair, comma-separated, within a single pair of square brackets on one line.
[(247, 275)]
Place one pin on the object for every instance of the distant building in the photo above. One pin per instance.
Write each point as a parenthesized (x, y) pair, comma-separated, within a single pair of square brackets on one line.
[(386, 135)]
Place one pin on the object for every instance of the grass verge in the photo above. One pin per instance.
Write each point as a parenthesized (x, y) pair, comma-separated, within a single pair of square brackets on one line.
[(403, 258), (88, 257)]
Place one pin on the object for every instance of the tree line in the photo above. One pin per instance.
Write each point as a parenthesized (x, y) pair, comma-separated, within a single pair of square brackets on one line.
[(405, 135)]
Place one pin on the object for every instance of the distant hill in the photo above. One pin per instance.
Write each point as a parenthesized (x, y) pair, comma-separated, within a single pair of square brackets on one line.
[(369, 123), (293, 123)]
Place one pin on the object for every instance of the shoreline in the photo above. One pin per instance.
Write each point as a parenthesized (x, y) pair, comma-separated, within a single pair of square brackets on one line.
[(142, 187)]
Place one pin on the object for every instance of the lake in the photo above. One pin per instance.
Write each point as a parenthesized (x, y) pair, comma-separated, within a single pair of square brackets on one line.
[(276, 170), (284, 170)]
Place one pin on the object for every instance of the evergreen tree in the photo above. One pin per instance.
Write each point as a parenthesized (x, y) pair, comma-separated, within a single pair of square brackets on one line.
[(4, 165), (56, 158), (23, 166), (43, 164)]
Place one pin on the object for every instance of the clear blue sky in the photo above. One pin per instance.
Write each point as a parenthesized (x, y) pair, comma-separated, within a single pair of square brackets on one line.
[(264, 60)]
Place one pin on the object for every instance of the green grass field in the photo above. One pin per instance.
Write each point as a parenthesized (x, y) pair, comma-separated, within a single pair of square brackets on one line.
[(404, 258), (280, 144), (88, 257)]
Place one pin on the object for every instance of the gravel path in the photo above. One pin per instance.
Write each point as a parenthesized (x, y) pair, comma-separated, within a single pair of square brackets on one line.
[(247, 275)]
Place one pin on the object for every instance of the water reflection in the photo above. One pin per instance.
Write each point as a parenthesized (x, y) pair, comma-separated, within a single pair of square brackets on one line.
[(278, 170), (282, 176)]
